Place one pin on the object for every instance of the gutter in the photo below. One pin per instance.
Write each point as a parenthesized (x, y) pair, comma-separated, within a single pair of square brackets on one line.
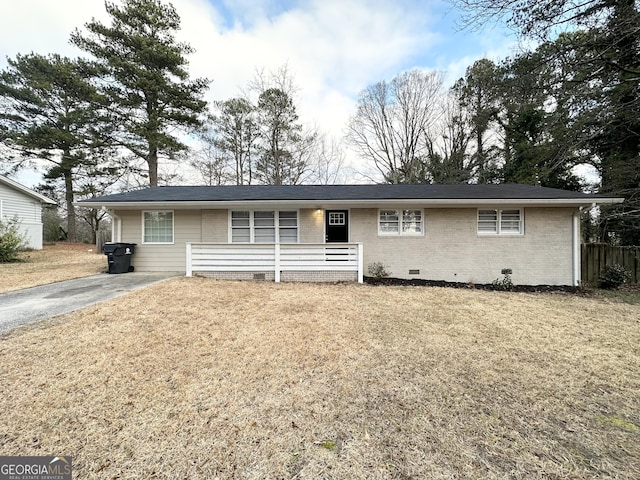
[(365, 203)]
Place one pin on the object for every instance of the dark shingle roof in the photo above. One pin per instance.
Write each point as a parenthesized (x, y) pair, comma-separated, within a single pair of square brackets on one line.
[(342, 192)]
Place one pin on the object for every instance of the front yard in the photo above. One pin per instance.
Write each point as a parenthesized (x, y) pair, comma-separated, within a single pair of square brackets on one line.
[(54, 263), (195, 378)]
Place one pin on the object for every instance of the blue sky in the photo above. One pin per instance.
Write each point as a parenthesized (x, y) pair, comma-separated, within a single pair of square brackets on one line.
[(333, 48)]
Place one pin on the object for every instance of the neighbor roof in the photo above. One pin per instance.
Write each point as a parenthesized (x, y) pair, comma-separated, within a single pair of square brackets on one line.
[(347, 194), (27, 191)]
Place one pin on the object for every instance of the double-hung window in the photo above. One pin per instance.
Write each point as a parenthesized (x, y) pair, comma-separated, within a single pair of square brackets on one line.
[(288, 227), (400, 222), (157, 227), (264, 226), (240, 227), (500, 221)]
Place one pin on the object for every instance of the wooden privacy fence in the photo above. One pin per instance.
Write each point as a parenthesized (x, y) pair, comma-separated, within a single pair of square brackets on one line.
[(596, 255)]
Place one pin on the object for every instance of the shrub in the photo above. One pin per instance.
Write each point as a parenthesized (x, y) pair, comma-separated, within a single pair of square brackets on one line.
[(504, 283), (11, 240), (613, 276), (377, 270)]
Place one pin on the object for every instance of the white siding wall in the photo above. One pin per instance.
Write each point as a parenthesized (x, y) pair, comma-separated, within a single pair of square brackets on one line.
[(451, 250), (161, 257), (27, 210)]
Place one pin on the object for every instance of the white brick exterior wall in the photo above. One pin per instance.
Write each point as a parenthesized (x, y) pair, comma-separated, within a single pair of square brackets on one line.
[(311, 224), (331, 276), (237, 275), (284, 276), (451, 249), (215, 226)]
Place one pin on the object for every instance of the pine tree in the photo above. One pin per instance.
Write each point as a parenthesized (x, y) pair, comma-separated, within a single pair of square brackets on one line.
[(144, 73), (54, 113)]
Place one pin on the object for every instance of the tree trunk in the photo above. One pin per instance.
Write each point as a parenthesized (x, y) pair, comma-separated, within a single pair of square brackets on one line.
[(72, 233), (152, 161)]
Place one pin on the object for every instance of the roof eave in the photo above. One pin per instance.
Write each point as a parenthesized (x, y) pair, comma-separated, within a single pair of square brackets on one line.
[(27, 191), (363, 203)]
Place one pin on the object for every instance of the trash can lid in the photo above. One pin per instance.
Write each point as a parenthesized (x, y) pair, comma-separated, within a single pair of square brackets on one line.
[(109, 247)]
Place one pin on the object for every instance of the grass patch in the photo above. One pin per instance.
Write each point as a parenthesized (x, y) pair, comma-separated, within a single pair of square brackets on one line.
[(54, 263), (628, 293), (196, 378), (620, 423)]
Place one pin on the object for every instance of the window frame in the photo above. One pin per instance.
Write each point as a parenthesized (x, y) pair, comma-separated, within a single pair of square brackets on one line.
[(499, 231), (173, 227), (277, 227), (399, 213)]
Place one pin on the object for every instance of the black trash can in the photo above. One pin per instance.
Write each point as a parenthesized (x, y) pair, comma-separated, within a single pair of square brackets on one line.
[(119, 256)]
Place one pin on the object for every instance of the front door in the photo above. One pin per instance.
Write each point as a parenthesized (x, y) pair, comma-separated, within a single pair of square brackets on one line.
[(336, 225)]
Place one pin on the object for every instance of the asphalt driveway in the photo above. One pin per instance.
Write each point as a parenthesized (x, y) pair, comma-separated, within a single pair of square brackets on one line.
[(38, 303)]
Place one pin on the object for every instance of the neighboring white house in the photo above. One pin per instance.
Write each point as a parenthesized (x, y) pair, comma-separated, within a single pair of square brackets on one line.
[(454, 233), (25, 205)]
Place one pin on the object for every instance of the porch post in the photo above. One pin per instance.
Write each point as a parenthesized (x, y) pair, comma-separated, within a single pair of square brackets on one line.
[(360, 263), (189, 271), (277, 263)]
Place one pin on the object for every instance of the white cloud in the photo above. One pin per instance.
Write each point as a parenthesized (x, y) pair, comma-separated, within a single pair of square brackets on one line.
[(334, 48), (44, 26)]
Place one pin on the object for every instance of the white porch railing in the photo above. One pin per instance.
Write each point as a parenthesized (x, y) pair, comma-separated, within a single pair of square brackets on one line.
[(274, 257)]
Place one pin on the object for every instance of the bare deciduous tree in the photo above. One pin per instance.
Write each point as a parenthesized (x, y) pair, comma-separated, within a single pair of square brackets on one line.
[(328, 164), (448, 159), (230, 140), (390, 122)]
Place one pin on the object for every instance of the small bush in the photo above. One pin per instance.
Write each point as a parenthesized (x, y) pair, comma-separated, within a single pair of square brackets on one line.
[(613, 276), (377, 270), (11, 241), (504, 283)]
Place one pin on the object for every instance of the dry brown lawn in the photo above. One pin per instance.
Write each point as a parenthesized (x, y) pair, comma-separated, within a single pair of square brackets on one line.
[(54, 263), (196, 378)]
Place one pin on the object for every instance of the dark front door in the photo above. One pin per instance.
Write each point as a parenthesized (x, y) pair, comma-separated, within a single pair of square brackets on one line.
[(337, 225)]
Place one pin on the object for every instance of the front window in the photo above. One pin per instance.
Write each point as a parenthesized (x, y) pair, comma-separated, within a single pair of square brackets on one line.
[(500, 222), (389, 222), (510, 221), (157, 227), (401, 222), (264, 227), (288, 227), (240, 227), (412, 222)]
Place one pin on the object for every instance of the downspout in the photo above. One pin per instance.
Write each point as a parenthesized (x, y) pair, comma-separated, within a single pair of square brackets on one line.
[(577, 257), (577, 264)]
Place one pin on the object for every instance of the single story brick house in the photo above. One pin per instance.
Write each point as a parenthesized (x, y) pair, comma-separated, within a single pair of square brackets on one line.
[(24, 205), (455, 233)]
